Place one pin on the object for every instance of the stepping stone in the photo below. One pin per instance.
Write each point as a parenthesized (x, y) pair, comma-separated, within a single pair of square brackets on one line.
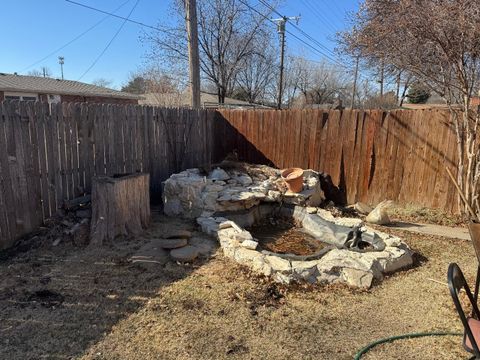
[(204, 244), (184, 254), (177, 234), (150, 254), (171, 243)]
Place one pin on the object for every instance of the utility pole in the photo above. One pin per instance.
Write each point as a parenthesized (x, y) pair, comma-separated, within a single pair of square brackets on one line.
[(281, 22), (61, 61), (381, 81), (354, 90), (193, 57)]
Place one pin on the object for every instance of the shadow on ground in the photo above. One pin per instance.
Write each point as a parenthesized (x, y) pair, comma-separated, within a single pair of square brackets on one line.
[(58, 301)]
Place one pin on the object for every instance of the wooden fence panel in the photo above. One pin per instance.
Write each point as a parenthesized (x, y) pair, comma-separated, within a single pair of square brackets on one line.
[(373, 155), (49, 153)]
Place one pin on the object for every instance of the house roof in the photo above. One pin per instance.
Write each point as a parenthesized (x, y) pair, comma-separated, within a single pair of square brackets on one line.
[(35, 84)]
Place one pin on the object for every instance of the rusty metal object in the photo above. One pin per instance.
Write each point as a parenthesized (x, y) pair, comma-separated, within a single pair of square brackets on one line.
[(474, 229)]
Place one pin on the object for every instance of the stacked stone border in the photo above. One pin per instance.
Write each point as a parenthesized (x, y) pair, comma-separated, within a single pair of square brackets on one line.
[(338, 265)]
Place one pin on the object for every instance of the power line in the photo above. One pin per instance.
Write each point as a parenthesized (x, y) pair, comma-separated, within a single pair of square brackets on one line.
[(304, 34), (317, 14), (118, 16), (320, 14), (322, 53), (336, 62), (110, 42), (75, 38)]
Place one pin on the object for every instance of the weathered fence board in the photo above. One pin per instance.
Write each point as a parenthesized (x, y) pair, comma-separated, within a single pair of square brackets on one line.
[(49, 154), (373, 155)]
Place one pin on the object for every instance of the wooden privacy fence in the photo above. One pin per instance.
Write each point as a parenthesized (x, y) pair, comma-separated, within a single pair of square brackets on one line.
[(373, 155), (50, 154)]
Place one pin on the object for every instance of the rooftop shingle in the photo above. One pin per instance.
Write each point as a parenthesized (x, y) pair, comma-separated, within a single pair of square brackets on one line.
[(35, 84)]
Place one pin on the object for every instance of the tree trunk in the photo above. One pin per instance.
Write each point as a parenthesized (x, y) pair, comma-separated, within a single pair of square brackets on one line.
[(120, 207)]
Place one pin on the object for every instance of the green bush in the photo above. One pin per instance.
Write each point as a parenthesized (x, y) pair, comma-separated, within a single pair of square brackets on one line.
[(417, 94)]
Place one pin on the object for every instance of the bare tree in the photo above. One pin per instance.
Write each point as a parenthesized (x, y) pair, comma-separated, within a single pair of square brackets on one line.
[(41, 72), (229, 34), (255, 74), (102, 82), (436, 41), (317, 82)]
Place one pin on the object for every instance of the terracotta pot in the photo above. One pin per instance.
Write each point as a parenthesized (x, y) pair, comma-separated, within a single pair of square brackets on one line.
[(294, 179)]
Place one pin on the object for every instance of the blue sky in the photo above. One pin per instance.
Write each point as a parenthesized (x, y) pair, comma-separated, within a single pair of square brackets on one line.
[(33, 29)]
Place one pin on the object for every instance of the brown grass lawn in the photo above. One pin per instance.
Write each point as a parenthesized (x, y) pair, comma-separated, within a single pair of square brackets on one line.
[(65, 302)]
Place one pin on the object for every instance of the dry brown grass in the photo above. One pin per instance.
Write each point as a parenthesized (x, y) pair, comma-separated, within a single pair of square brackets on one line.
[(218, 310), (419, 214)]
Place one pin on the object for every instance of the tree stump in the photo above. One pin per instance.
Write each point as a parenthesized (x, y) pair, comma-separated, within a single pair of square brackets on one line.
[(120, 206)]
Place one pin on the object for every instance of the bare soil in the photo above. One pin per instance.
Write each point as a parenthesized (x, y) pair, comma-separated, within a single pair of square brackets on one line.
[(67, 302)]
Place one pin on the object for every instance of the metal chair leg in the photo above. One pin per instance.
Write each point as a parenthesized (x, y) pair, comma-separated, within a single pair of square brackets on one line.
[(477, 284)]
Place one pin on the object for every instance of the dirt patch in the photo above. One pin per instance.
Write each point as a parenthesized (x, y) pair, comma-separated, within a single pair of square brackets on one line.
[(284, 236), (217, 309)]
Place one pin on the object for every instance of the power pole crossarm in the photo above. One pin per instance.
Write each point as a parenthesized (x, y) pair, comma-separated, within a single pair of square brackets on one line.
[(193, 57)]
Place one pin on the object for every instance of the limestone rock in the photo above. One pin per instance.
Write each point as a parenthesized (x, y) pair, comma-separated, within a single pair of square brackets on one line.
[(273, 196), (249, 244), (362, 208), (184, 254), (177, 234), (244, 179), (171, 243), (219, 174), (357, 278), (279, 264), (208, 225), (150, 254), (204, 244), (244, 235), (379, 215)]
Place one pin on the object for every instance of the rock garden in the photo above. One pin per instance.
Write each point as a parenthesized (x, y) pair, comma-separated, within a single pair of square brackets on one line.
[(229, 201)]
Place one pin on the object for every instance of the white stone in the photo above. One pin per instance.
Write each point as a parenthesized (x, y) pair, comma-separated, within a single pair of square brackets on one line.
[(209, 200), (243, 236), (219, 174), (349, 222), (171, 243), (251, 258), (249, 244), (184, 254), (311, 210), (244, 179), (362, 208), (379, 215), (214, 187), (208, 225), (357, 278), (273, 196), (278, 264), (325, 214), (305, 270)]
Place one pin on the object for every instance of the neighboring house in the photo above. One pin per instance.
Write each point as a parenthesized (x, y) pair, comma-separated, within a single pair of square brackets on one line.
[(182, 99), (33, 88)]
